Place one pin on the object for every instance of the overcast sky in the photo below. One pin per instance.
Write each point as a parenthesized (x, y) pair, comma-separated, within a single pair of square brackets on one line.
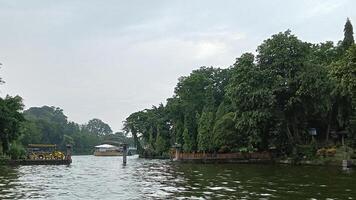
[(107, 59)]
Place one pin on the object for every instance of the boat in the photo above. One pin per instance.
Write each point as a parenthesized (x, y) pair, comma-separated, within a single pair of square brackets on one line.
[(44, 154), (107, 150)]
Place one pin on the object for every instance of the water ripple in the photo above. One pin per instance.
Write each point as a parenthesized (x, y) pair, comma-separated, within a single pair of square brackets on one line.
[(92, 177)]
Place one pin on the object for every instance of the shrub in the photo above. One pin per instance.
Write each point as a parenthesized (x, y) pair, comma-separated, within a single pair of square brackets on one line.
[(305, 151)]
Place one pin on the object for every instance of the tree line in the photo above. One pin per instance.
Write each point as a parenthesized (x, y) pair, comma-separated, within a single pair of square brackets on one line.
[(49, 125), (268, 100)]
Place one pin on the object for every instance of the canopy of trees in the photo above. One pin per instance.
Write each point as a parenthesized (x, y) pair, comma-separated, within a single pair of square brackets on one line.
[(10, 121), (263, 101), (50, 125)]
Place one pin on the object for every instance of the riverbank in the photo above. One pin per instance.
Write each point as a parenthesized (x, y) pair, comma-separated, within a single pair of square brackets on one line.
[(256, 157), (262, 158), (236, 158), (316, 162), (351, 163)]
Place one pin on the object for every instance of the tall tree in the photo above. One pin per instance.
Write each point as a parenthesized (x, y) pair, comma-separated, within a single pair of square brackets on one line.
[(203, 88), (251, 94), (49, 121), (11, 118), (47, 113), (160, 145), (284, 57), (343, 72), (348, 35), (225, 135), (98, 127), (188, 141), (205, 131)]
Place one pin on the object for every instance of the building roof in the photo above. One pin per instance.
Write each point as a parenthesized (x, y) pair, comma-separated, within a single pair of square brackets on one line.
[(106, 146)]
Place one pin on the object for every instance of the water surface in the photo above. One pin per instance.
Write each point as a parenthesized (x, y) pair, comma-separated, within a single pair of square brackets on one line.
[(90, 177)]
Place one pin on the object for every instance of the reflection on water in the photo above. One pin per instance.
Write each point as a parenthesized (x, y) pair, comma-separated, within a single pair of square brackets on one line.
[(92, 177)]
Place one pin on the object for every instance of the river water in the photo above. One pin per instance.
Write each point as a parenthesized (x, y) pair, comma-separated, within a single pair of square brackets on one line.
[(90, 177)]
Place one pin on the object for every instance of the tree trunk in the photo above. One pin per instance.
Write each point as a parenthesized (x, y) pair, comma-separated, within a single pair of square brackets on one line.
[(295, 130), (138, 145), (289, 134), (327, 133), (330, 117)]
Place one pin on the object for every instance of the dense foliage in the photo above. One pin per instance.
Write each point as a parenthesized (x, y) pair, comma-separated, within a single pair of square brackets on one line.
[(49, 125), (10, 121), (265, 101)]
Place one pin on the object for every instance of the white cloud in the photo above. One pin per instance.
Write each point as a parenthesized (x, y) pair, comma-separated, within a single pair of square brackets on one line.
[(322, 7), (109, 59), (209, 49)]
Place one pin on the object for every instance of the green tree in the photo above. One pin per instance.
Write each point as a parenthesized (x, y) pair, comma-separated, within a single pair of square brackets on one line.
[(135, 125), (284, 57), (84, 142), (146, 127), (98, 127), (68, 140), (11, 118), (343, 73), (225, 137), (31, 134), (252, 97), (46, 113), (324, 53), (204, 87), (205, 132), (348, 35), (187, 146), (160, 145), (50, 125)]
